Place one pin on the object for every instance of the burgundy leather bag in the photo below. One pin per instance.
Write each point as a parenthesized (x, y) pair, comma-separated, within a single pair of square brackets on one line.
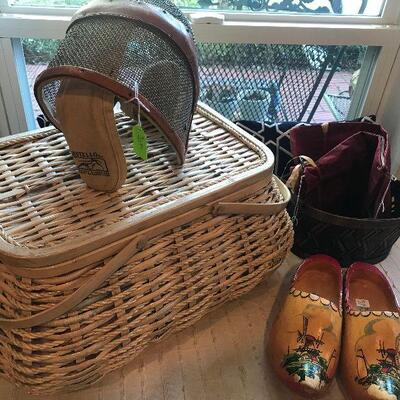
[(352, 172)]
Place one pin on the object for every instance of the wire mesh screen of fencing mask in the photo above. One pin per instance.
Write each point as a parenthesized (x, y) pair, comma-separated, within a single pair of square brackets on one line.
[(148, 45)]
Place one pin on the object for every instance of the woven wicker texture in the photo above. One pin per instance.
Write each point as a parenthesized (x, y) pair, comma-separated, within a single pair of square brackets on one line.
[(176, 280), (59, 207), (178, 276)]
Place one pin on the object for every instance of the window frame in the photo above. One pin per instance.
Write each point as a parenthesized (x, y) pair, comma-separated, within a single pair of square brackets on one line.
[(390, 14)]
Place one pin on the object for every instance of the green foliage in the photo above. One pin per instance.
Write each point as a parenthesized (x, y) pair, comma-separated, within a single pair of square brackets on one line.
[(374, 369), (306, 362), (50, 3), (291, 358), (39, 51), (283, 56), (387, 382), (78, 3), (187, 3), (250, 54), (302, 367), (323, 363), (353, 58)]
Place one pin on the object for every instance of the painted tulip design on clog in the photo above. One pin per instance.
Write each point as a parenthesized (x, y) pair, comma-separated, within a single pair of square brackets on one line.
[(304, 342)]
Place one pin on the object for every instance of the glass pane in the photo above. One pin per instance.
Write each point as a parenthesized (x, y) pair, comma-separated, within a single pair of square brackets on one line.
[(279, 82), (335, 7), (38, 53), (48, 3), (258, 82)]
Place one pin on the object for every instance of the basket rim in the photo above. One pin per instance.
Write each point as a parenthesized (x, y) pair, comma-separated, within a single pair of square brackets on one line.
[(18, 256), (348, 222)]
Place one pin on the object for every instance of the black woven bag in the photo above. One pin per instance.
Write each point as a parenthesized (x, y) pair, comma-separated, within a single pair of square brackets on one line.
[(346, 239)]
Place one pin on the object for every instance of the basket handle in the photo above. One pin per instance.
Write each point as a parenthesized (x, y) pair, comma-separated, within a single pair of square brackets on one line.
[(126, 254), (265, 209), (80, 294)]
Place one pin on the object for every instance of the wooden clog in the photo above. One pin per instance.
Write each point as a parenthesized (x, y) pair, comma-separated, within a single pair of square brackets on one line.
[(304, 343), (370, 361)]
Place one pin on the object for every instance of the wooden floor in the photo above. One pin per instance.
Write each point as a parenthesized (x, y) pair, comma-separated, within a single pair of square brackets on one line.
[(222, 357)]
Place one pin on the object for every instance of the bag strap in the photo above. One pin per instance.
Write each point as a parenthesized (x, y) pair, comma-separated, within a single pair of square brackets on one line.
[(80, 294), (265, 209), (127, 253)]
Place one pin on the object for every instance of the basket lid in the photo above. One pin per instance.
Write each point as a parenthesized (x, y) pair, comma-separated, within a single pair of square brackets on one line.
[(48, 215)]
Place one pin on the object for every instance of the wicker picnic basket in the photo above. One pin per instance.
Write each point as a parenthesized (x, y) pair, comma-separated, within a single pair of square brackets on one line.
[(90, 279)]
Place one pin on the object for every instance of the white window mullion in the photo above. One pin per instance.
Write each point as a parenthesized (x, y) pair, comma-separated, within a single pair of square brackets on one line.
[(365, 81), (23, 84), (296, 33), (33, 26), (391, 12), (17, 106), (380, 75), (5, 129)]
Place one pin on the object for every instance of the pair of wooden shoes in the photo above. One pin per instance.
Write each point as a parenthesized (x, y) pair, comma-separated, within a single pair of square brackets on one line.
[(311, 336)]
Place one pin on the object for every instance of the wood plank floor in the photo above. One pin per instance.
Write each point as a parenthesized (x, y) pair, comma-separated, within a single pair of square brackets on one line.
[(222, 357)]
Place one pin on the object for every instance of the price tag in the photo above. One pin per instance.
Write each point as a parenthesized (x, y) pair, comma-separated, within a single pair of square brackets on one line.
[(139, 141), (362, 304)]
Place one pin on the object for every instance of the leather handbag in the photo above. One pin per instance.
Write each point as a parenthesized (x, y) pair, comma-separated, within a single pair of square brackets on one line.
[(351, 175)]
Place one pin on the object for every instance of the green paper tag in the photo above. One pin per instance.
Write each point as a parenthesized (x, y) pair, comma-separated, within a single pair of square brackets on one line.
[(139, 141)]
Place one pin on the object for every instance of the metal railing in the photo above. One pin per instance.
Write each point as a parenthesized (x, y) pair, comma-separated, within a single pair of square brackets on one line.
[(269, 82)]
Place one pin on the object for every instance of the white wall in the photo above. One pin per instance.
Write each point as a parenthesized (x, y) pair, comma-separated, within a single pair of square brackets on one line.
[(390, 113), (4, 127)]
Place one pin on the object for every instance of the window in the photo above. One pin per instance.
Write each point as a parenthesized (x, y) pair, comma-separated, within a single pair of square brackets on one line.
[(362, 11), (336, 7), (313, 60), (37, 54), (258, 82)]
